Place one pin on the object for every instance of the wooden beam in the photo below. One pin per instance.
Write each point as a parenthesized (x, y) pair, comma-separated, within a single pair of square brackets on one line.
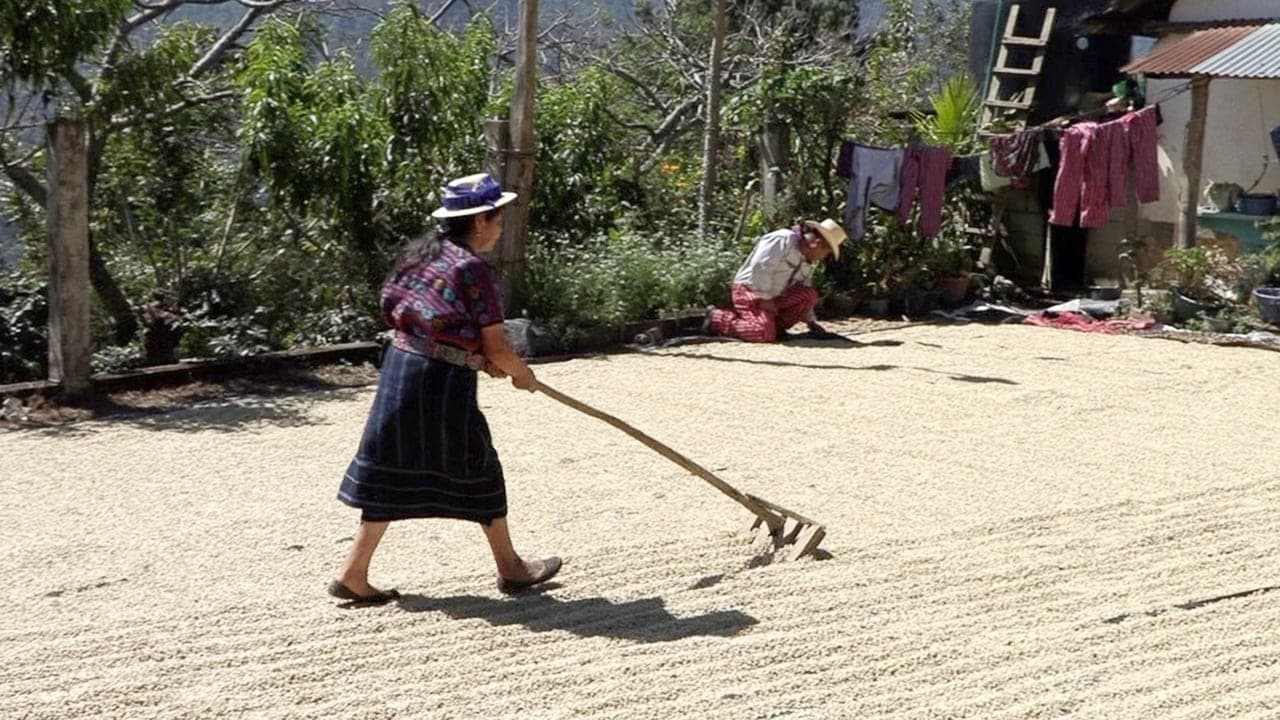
[(1193, 160), (519, 175), (67, 218)]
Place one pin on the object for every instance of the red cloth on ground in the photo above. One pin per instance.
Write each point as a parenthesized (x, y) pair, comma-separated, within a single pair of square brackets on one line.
[(750, 322), (1084, 323)]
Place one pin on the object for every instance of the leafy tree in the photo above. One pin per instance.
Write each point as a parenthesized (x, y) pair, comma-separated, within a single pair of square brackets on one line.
[(357, 162), (89, 59), (586, 182)]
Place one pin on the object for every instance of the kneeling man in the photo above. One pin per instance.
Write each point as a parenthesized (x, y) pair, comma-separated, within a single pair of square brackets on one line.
[(774, 288)]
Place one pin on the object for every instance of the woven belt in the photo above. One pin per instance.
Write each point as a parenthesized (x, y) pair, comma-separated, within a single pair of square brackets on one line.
[(438, 351)]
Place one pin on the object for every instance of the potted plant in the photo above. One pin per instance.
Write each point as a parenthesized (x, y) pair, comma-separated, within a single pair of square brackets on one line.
[(1201, 277), (953, 262), (1262, 280), (1159, 305), (1222, 195)]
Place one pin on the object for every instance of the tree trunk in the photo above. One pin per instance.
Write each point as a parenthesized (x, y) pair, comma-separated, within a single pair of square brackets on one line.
[(519, 177), (67, 218), (711, 135), (1193, 160), (124, 325)]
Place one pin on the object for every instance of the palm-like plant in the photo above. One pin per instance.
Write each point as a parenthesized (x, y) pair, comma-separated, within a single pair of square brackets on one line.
[(954, 122)]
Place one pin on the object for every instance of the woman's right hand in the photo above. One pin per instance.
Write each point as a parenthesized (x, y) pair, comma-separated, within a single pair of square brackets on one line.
[(524, 380)]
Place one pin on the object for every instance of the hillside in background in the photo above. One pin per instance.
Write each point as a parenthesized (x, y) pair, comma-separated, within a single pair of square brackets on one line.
[(356, 18)]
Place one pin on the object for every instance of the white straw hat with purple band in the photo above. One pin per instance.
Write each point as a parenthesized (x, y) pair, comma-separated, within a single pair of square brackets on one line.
[(472, 195)]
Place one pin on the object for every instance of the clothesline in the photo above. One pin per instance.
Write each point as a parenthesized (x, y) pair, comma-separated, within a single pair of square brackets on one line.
[(1164, 98)]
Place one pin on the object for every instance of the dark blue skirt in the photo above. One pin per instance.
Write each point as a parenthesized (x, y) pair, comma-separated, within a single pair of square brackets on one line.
[(426, 450)]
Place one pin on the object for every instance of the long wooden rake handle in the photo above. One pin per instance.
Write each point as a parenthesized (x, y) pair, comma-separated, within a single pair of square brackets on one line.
[(774, 520)]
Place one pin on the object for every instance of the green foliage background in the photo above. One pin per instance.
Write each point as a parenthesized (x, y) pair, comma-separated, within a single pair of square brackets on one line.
[(268, 220)]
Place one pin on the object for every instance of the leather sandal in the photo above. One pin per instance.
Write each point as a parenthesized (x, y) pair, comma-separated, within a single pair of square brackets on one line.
[(342, 592), (550, 567)]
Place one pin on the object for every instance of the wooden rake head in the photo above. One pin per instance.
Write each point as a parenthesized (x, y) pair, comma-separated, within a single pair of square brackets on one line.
[(790, 535)]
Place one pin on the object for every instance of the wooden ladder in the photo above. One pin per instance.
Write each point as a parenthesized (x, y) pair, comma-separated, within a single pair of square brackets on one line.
[(1012, 92)]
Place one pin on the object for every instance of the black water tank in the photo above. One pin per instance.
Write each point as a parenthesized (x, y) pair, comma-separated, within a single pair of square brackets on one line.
[(1074, 64)]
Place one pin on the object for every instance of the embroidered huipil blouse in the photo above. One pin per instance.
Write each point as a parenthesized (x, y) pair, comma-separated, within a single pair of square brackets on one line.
[(447, 300)]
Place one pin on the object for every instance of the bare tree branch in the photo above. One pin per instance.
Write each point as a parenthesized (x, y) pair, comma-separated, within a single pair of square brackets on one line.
[(435, 17), (78, 83), (219, 49), (636, 82), (127, 26), (186, 104), (671, 128), (23, 178), (648, 130)]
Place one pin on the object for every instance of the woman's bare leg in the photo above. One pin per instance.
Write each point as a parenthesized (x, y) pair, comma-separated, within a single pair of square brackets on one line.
[(355, 571), (510, 566)]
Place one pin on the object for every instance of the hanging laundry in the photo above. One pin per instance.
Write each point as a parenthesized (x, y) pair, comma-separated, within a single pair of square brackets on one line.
[(924, 172), (844, 160), (1093, 174), (1015, 155), (992, 180), (965, 168), (875, 179), (1081, 186), (1140, 130), (1114, 138)]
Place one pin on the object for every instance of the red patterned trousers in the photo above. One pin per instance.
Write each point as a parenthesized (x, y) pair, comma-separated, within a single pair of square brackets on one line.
[(751, 322)]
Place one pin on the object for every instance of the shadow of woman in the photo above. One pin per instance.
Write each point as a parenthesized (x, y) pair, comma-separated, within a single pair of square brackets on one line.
[(646, 620)]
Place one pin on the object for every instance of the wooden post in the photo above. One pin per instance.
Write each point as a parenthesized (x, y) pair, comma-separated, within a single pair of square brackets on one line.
[(497, 147), (711, 134), (519, 171), (67, 216), (1193, 160), (775, 150)]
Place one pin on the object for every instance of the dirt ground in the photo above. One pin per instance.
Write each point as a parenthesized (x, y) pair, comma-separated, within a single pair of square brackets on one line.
[(1023, 523)]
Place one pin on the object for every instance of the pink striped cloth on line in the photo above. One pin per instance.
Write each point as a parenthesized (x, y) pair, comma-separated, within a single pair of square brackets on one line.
[(924, 172), (1093, 170)]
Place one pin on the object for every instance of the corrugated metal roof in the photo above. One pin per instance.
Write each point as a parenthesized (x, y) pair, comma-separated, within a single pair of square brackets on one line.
[(1255, 56), (1179, 56)]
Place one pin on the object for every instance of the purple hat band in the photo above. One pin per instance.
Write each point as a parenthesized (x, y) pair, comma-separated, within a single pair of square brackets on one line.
[(465, 197)]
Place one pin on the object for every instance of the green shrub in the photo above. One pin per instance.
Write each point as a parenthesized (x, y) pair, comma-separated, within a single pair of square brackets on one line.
[(625, 276), (24, 317), (117, 358)]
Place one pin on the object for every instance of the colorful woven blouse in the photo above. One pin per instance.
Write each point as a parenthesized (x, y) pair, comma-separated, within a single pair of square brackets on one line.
[(446, 300)]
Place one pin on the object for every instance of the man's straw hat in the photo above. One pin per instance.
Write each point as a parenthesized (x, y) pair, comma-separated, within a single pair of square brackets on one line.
[(831, 232)]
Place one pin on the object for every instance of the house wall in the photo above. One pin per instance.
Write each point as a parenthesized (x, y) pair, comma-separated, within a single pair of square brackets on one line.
[(1241, 115), (1202, 10), (1237, 140)]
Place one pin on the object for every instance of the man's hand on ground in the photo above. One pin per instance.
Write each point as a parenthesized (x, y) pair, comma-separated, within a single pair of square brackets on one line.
[(819, 332)]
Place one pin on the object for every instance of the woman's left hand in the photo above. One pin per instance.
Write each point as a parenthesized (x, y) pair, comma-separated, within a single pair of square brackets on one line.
[(494, 370)]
